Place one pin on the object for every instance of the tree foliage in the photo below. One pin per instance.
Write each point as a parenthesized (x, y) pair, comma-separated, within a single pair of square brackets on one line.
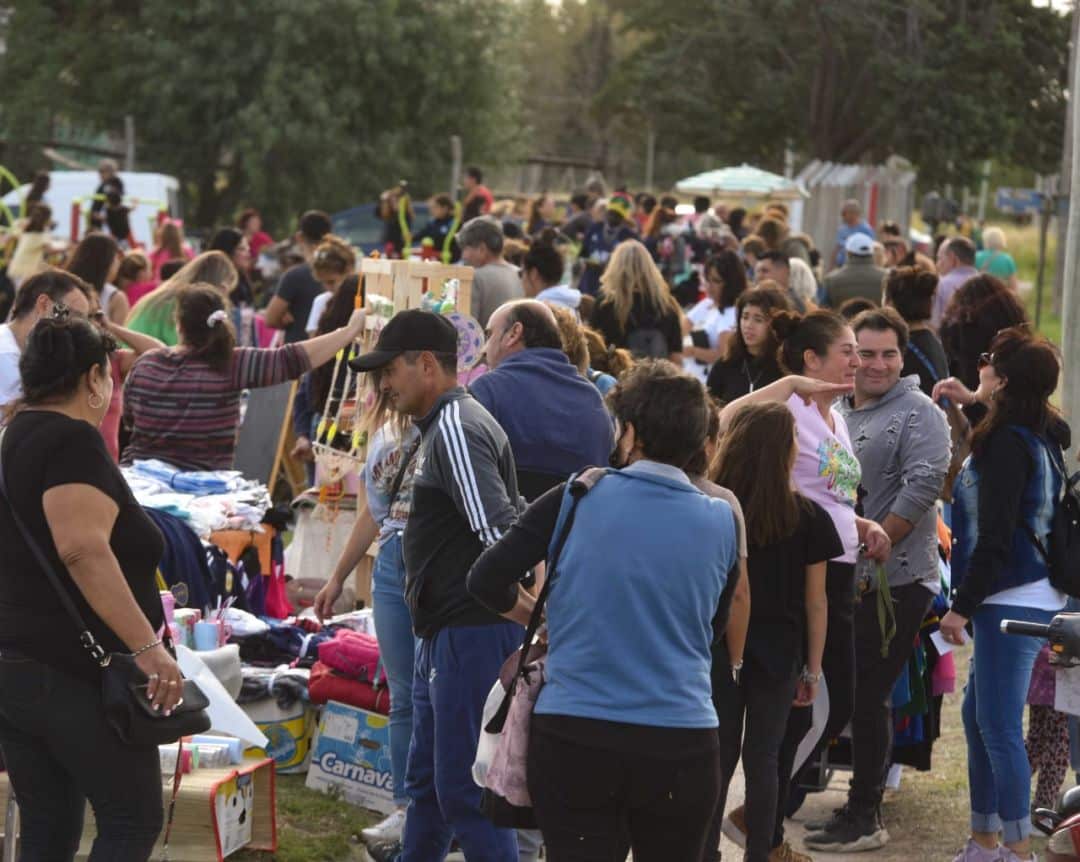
[(945, 83), (280, 104)]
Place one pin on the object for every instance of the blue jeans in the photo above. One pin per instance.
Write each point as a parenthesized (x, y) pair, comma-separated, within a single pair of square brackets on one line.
[(455, 670), (397, 646), (999, 775)]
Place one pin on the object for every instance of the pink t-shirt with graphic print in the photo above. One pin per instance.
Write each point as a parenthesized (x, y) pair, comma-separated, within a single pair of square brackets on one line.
[(827, 471)]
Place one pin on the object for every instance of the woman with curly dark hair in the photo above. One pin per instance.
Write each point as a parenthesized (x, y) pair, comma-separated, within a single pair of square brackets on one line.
[(978, 311), (911, 290)]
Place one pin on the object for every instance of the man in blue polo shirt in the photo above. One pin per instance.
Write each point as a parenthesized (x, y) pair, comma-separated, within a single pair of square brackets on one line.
[(554, 418)]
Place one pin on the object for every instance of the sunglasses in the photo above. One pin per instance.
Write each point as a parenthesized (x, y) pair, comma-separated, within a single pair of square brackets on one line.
[(985, 359)]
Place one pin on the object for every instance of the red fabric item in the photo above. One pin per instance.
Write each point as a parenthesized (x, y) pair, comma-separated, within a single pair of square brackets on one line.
[(327, 684), (277, 602), (353, 654)]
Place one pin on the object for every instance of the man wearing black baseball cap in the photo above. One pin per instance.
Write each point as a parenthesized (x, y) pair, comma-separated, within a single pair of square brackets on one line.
[(465, 497)]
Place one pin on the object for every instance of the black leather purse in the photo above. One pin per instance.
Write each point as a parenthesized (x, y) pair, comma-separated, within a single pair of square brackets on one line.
[(123, 684)]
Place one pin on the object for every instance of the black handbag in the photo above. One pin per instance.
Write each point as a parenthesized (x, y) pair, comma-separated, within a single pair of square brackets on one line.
[(123, 685)]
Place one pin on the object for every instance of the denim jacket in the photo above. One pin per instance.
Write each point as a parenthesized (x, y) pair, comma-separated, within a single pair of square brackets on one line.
[(1011, 488)]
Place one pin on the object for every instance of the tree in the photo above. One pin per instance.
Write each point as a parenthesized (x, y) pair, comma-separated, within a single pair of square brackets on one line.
[(946, 84), (282, 105)]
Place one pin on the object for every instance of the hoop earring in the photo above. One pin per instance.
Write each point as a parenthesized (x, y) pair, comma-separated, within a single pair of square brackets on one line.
[(100, 401)]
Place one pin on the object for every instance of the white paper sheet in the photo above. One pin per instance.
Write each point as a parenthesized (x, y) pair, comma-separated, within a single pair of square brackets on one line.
[(225, 715)]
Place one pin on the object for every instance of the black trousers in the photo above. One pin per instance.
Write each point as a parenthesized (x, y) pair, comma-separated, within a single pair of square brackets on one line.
[(60, 752), (592, 805), (875, 677), (760, 703), (838, 665)]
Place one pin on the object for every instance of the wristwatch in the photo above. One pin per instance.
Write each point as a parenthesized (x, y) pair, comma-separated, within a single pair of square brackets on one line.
[(809, 678)]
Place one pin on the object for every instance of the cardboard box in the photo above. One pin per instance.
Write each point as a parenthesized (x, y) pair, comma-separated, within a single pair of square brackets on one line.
[(289, 731), (352, 755)]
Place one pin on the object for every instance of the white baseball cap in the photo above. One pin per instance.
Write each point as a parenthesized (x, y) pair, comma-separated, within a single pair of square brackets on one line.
[(860, 245)]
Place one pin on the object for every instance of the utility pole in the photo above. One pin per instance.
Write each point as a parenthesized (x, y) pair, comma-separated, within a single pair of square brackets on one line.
[(1065, 181), (1070, 324)]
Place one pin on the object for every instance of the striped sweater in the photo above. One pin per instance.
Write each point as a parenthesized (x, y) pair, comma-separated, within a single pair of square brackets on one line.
[(186, 413)]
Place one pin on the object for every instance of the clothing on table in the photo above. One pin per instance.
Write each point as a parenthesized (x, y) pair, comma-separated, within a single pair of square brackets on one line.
[(187, 412), (493, 284), (904, 448), (298, 288), (43, 449), (707, 318), (999, 774), (926, 357), (554, 418), (826, 469), (1008, 489), (730, 379), (600, 241), (661, 327), (184, 559), (948, 284), (10, 379), (997, 263), (60, 752)]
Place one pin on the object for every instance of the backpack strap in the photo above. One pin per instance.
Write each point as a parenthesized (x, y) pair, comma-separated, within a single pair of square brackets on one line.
[(925, 360)]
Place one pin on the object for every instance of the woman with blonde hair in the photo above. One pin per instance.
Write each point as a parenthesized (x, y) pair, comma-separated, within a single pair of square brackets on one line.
[(995, 260), (636, 309), (801, 283), (155, 313)]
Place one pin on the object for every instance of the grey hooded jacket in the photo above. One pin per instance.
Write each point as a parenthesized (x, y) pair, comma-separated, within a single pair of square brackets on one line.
[(903, 445)]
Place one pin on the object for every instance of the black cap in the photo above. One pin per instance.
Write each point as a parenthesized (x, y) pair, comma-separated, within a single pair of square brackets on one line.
[(409, 330)]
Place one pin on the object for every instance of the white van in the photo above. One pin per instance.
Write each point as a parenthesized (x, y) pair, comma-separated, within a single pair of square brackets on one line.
[(145, 193)]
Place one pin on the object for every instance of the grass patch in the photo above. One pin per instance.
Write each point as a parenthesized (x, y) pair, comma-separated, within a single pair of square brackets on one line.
[(314, 826)]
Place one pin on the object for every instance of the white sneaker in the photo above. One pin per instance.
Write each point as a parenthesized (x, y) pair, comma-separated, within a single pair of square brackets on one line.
[(389, 829)]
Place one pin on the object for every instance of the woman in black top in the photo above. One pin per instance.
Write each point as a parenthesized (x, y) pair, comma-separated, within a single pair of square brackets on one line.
[(59, 749), (636, 309), (911, 290), (750, 362), (790, 539)]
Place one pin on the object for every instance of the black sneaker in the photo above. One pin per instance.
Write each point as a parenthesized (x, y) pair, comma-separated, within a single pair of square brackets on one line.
[(850, 832), (827, 824)]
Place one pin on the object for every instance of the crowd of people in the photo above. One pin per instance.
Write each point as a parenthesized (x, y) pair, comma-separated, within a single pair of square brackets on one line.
[(785, 438)]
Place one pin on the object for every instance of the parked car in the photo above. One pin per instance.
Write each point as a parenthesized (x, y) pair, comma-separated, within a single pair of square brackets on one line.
[(362, 227)]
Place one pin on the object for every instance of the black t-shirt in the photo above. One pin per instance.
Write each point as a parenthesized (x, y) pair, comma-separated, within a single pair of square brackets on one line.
[(926, 343), (732, 378), (299, 287), (41, 450), (777, 573), (641, 317)]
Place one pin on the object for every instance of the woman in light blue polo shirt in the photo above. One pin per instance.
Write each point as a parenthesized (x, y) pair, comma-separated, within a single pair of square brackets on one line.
[(623, 746)]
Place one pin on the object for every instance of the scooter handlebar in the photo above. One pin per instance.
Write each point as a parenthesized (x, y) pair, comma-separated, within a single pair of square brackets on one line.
[(1018, 627)]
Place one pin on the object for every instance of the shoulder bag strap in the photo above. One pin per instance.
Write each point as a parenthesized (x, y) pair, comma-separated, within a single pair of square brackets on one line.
[(407, 456), (925, 360), (86, 637)]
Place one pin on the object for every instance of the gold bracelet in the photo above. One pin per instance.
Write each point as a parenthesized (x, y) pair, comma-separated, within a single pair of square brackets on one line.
[(146, 648)]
